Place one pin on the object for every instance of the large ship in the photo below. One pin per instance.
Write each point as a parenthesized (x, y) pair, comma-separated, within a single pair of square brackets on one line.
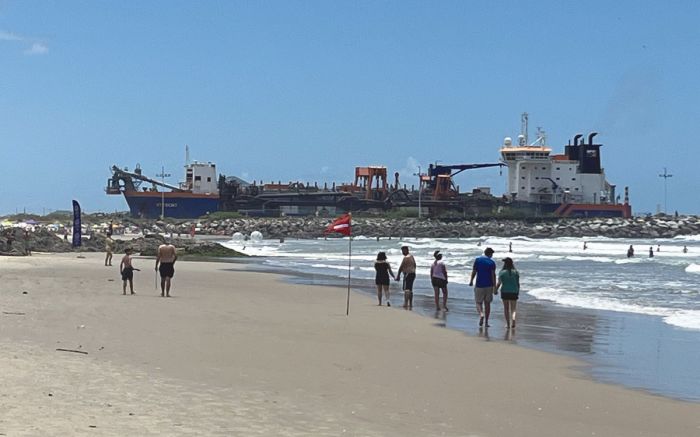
[(572, 184), (197, 195)]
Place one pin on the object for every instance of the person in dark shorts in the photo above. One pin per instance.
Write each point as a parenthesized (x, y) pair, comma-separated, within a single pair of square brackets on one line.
[(438, 278), (509, 283), (127, 271), (408, 268), (165, 264), (381, 279)]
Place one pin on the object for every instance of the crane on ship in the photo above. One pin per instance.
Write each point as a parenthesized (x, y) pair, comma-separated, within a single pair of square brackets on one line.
[(439, 178), (124, 180)]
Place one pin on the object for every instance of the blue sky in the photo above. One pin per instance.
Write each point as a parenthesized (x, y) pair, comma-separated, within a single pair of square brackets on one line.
[(307, 90)]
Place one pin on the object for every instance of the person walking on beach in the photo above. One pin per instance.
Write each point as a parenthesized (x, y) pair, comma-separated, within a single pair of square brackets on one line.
[(651, 251), (381, 279), (166, 257), (438, 278), (510, 247), (27, 245), (630, 252), (108, 249), (484, 269), (408, 268), (685, 249), (509, 283), (585, 245), (126, 269)]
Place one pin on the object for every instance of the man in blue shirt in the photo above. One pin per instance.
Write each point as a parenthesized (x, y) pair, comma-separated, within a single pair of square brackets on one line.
[(484, 270)]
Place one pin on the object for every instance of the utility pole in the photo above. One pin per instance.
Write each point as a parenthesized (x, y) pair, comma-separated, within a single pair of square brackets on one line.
[(420, 192), (666, 175), (162, 176)]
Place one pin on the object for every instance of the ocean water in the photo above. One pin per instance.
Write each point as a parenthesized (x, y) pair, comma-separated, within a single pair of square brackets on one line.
[(595, 303)]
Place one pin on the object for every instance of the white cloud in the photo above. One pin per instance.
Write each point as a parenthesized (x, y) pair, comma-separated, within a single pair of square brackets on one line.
[(37, 48), (8, 36)]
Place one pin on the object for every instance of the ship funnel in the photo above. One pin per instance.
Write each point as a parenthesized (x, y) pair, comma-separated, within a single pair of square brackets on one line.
[(590, 137), (576, 139)]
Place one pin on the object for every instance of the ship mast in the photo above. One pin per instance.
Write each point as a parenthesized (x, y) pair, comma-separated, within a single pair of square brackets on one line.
[(523, 129)]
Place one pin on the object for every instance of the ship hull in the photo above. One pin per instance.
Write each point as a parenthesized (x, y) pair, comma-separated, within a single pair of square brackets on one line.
[(148, 204)]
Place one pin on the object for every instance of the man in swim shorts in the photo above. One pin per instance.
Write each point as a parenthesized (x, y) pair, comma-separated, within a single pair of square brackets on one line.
[(166, 257), (127, 271), (484, 270), (408, 267)]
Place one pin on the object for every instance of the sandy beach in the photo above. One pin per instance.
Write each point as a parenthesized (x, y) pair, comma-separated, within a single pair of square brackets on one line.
[(242, 353)]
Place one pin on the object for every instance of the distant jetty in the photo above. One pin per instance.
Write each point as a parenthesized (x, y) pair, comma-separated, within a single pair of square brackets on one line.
[(313, 227), (150, 232), (304, 227)]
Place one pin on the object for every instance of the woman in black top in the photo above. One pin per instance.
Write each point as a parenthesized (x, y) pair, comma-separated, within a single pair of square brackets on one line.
[(383, 270)]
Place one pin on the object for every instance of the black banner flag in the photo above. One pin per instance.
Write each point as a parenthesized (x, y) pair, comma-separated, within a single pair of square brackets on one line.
[(76, 224)]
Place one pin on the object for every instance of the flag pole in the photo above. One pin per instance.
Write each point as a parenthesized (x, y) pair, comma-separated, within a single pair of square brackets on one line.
[(347, 307)]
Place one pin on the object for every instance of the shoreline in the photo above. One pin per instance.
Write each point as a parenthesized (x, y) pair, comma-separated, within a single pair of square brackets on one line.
[(244, 352), (553, 328)]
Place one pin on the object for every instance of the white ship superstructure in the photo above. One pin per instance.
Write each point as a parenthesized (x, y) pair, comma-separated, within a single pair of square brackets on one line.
[(537, 176)]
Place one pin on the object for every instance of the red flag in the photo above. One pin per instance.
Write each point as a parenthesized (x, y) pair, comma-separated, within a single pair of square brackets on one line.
[(341, 225)]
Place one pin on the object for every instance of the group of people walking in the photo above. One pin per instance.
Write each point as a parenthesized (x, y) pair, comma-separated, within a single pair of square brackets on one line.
[(488, 283)]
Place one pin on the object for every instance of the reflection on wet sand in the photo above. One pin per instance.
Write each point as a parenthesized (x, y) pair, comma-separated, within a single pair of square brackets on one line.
[(635, 350)]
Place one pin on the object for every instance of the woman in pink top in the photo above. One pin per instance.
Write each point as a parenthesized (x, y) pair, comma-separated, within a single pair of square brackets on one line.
[(438, 277)]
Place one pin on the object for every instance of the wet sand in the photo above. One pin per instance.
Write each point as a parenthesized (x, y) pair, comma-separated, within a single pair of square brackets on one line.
[(242, 353), (634, 350)]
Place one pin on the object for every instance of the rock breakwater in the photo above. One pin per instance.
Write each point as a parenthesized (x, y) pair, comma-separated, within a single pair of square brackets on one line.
[(313, 227), (16, 241)]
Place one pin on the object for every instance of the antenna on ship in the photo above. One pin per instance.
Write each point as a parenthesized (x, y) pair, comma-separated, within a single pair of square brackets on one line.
[(541, 138), (187, 154), (523, 129)]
